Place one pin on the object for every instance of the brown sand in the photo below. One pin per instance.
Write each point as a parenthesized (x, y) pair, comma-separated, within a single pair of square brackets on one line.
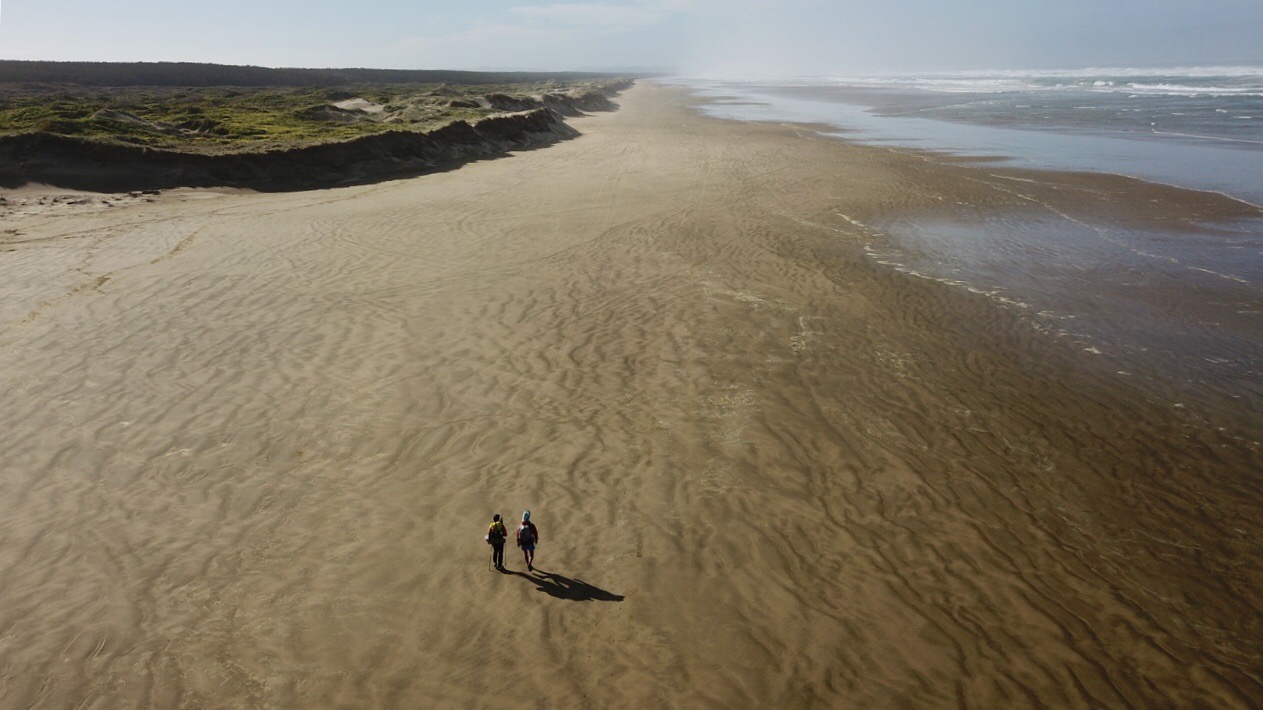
[(249, 445)]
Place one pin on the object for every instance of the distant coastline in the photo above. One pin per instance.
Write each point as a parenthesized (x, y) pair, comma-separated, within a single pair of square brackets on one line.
[(196, 74)]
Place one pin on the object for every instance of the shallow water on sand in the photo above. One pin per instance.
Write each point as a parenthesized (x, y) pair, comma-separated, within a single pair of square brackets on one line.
[(1182, 307)]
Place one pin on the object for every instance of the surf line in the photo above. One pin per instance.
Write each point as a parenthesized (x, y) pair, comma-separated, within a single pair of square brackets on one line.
[(1208, 138)]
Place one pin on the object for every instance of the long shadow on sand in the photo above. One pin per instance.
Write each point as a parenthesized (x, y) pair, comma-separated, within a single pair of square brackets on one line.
[(562, 587)]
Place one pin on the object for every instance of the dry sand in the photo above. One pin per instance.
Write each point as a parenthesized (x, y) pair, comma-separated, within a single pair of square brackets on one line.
[(249, 445)]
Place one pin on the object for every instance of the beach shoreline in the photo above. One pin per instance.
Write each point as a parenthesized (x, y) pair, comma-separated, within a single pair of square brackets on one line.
[(1160, 279), (252, 442)]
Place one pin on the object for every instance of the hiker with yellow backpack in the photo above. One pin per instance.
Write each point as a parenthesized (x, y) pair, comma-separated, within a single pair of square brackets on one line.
[(496, 536)]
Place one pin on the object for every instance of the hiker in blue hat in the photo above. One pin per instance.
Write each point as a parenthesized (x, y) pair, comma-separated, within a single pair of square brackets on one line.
[(527, 538)]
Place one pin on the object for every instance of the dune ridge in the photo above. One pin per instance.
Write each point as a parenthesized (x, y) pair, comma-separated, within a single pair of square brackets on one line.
[(86, 164)]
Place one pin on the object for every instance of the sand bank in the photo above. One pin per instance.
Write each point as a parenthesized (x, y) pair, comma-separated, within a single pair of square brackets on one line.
[(70, 162), (85, 164), (250, 443)]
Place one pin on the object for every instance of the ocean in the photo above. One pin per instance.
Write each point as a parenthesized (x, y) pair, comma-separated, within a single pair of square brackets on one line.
[(1182, 310)]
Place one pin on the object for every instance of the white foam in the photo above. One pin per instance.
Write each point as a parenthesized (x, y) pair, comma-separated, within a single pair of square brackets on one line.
[(1193, 90), (1221, 275), (853, 221), (1175, 81)]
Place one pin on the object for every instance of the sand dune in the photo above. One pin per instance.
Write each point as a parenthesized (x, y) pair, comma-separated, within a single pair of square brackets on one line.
[(250, 444)]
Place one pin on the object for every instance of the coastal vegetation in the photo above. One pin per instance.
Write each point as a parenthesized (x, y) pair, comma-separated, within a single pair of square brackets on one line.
[(214, 108)]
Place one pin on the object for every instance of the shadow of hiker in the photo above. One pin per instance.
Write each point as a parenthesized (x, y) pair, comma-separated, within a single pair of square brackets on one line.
[(562, 587)]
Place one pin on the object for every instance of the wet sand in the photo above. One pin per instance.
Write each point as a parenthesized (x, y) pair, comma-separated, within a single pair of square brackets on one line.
[(250, 443)]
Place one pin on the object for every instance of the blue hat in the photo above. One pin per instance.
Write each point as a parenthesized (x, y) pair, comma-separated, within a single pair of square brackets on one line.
[(526, 515)]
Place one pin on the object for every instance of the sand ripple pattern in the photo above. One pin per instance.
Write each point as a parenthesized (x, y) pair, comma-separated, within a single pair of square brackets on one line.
[(252, 466)]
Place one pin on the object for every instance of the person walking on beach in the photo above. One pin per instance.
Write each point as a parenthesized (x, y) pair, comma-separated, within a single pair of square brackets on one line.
[(496, 536), (527, 538)]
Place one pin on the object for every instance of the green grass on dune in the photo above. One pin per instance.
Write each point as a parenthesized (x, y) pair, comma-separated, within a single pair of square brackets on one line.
[(221, 119)]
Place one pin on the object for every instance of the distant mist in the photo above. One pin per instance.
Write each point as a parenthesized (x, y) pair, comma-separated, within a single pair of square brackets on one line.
[(733, 38), (902, 36)]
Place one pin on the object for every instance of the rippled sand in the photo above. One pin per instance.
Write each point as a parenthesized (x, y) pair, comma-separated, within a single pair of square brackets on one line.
[(249, 445)]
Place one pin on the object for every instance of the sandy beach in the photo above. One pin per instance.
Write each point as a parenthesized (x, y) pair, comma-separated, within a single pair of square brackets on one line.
[(250, 443)]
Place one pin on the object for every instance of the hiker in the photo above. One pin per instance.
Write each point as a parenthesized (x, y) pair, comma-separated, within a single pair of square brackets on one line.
[(496, 535), (527, 538)]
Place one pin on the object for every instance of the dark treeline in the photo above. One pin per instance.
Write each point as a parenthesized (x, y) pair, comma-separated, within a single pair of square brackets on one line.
[(194, 74)]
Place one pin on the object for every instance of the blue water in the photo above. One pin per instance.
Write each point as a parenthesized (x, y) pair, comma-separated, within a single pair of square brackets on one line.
[(1161, 129), (1182, 309)]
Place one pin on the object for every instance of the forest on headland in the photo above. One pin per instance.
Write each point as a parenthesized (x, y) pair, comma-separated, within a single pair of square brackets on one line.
[(194, 74)]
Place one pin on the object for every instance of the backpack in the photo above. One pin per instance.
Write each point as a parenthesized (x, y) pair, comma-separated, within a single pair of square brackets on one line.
[(526, 535), (497, 532)]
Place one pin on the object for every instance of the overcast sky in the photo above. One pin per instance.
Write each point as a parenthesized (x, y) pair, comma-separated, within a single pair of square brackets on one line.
[(697, 37)]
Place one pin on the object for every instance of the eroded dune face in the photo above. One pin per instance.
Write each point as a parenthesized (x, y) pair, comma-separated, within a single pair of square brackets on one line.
[(73, 164), (278, 138), (250, 444)]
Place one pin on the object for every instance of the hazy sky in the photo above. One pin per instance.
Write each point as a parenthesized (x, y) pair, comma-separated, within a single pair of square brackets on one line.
[(700, 37)]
